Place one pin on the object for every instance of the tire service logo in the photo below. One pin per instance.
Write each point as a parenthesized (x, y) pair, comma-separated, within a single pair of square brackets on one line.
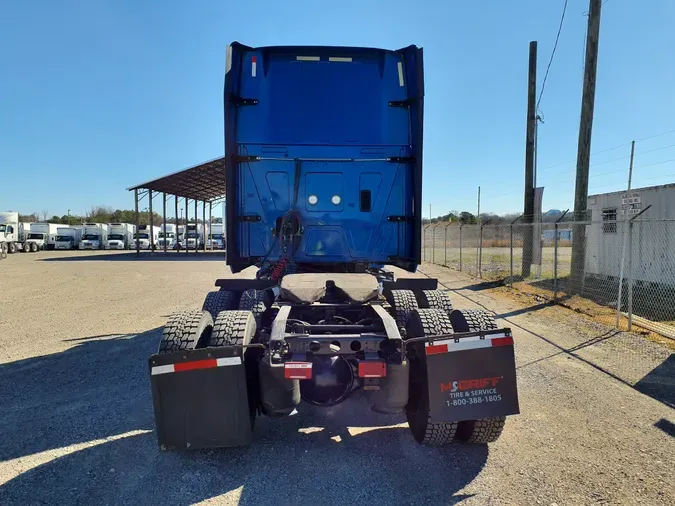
[(472, 391)]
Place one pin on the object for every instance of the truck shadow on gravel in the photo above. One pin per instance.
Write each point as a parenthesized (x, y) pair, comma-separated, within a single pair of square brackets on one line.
[(659, 384), (99, 389)]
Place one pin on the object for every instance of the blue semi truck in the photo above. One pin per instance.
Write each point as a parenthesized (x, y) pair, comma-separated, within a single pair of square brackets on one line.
[(323, 175)]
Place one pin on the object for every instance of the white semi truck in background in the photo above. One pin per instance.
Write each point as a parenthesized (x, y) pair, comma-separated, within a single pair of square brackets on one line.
[(68, 237), (12, 232), (194, 238), (143, 236), (42, 236), (24, 230), (180, 236), (216, 236), (94, 236), (168, 236), (120, 235)]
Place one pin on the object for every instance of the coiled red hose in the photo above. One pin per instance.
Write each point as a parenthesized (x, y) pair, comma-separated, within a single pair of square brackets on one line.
[(279, 268)]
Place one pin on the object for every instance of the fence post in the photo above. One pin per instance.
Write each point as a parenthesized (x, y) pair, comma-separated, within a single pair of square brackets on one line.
[(480, 252), (433, 244), (445, 245), (511, 255), (424, 243), (555, 258), (630, 275), (555, 263), (460, 247), (480, 249)]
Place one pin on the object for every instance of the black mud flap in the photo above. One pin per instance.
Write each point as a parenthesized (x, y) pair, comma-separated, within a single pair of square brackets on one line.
[(201, 399), (472, 377)]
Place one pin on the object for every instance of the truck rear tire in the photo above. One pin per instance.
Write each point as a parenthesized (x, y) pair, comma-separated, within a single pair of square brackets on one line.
[(238, 328), (34, 247), (186, 330), (482, 431), (218, 301), (404, 303), (233, 328), (435, 299), (422, 323), (254, 301), (472, 320)]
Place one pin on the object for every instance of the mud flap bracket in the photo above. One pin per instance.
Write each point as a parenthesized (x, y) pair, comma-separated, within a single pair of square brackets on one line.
[(200, 399)]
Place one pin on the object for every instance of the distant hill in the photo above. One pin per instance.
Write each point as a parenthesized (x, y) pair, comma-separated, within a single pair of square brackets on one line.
[(551, 215)]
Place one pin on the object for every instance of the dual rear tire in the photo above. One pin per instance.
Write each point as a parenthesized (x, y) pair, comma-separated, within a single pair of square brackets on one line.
[(217, 325), (192, 329), (438, 318), (421, 323), (404, 302)]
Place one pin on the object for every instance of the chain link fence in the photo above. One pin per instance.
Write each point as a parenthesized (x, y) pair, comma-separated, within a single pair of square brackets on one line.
[(621, 272)]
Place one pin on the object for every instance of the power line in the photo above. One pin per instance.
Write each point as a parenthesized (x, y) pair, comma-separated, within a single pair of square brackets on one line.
[(657, 135), (612, 149), (622, 169), (655, 163), (505, 195), (613, 160), (550, 61)]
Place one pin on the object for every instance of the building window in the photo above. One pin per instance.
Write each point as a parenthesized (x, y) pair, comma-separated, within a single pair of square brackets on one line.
[(609, 221)]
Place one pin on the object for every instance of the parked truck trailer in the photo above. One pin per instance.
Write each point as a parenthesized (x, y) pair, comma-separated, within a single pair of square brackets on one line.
[(146, 236), (94, 236), (216, 237), (167, 235), (194, 236), (320, 215), (24, 230), (12, 233), (68, 238), (120, 235), (42, 236)]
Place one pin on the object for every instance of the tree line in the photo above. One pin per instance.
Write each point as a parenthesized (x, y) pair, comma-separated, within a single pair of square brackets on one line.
[(104, 214), (467, 218)]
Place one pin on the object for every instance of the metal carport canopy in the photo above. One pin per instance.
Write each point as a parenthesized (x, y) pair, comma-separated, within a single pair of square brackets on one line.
[(204, 182)]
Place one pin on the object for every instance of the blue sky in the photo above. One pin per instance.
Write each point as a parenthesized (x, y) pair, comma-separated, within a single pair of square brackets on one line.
[(96, 95)]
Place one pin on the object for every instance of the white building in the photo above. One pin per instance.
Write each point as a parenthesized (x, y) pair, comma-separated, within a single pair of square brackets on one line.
[(653, 241)]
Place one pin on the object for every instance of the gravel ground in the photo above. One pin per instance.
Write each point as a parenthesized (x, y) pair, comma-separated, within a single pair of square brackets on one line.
[(76, 417)]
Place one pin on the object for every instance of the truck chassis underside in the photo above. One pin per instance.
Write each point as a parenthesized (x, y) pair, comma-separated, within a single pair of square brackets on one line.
[(251, 351)]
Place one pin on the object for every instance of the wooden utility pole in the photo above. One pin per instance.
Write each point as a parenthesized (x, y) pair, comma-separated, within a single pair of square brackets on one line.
[(528, 210), (584, 145)]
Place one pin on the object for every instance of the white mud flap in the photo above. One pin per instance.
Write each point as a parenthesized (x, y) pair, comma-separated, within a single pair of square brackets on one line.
[(472, 376), (201, 399)]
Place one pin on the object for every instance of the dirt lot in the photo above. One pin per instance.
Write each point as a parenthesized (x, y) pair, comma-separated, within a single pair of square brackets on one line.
[(76, 418)]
